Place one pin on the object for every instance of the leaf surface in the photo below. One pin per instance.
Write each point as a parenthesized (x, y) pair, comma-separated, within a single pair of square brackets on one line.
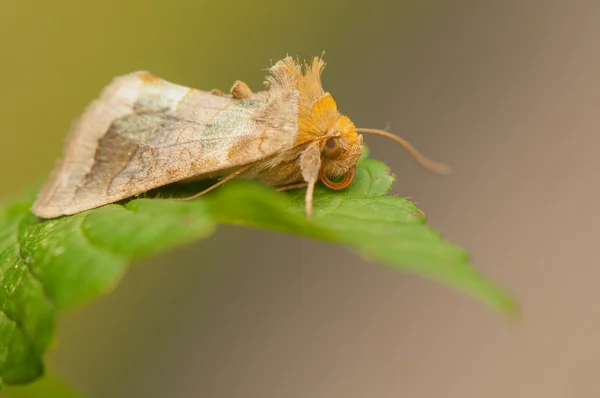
[(48, 265)]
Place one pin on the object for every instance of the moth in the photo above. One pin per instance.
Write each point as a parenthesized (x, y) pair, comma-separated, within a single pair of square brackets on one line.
[(144, 132)]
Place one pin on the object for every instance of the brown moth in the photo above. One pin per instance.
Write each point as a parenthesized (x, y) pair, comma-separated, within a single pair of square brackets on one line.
[(144, 132)]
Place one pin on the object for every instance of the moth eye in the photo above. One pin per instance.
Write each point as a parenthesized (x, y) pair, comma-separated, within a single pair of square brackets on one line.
[(333, 148)]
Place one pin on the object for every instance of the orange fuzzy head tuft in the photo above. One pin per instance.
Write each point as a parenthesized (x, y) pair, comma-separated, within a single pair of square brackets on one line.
[(319, 121), (319, 118)]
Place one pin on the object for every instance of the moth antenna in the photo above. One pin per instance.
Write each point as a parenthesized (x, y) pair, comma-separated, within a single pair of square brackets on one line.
[(221, 182), (428, 164)]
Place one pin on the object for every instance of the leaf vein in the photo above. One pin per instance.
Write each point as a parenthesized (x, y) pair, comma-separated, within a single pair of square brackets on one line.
[(33, 274)]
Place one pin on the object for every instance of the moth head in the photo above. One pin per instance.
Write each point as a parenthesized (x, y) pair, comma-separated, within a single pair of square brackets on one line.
[(341, 145), (342, 148)]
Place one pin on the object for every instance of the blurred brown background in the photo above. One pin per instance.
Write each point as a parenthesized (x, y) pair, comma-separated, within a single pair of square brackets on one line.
[(507, 92)]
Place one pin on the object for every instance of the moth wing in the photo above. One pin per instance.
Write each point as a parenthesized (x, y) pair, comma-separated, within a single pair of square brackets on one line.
[(144, 132)]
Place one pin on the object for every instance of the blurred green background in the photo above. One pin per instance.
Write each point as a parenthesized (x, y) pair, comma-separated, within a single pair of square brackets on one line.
[(507, 92)]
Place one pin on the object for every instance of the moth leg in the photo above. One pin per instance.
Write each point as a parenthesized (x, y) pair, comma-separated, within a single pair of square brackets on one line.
[(310, 165), (216, 91), (240, 90), (292, 186), (221, 182)]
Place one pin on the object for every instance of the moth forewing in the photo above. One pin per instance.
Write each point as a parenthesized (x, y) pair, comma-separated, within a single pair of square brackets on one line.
[(144, 132), (116, 101)]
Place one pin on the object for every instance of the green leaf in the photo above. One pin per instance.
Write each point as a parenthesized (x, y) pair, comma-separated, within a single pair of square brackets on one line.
[(48, 265)]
